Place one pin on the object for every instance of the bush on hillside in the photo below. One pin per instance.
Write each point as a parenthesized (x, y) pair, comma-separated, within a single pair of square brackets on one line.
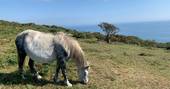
[(133, 40), (14, 27)]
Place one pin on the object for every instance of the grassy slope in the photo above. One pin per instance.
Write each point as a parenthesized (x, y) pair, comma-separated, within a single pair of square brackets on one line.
[(117, 66)]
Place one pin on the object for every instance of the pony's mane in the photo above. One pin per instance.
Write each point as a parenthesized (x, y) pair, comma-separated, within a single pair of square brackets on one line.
[(74, 49)]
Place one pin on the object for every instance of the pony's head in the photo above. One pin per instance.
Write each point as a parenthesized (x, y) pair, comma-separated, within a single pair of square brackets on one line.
[(83, 74)]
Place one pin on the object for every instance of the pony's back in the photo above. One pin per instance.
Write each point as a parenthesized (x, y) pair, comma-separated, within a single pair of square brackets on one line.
[(37, 45)]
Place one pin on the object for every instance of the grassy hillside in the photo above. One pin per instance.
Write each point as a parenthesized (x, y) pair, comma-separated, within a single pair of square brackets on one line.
[(113, 66)]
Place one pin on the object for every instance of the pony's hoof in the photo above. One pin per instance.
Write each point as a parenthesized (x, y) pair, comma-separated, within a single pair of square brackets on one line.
[(39, 77), (23, 77), (68, 84), (56, 80)]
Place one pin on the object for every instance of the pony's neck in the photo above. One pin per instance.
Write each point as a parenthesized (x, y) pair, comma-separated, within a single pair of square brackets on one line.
[(75, 51), (81, 62)]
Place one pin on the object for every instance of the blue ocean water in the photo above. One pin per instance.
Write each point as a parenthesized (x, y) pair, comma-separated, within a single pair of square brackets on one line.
[(158, 31)]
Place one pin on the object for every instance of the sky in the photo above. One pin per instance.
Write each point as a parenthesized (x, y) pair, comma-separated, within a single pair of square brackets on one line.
[(84, 12)]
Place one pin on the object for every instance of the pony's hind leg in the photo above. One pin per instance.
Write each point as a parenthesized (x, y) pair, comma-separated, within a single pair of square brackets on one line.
[(33, 70), (21, 54), (21, 58)]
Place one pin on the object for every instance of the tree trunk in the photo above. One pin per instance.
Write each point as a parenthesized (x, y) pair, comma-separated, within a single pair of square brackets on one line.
[(108, 38)]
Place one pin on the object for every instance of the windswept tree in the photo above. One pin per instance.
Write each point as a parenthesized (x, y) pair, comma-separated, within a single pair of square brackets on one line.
[(109, 30)]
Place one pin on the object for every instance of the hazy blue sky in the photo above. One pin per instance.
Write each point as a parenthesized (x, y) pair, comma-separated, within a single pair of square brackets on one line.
[(79, 12)]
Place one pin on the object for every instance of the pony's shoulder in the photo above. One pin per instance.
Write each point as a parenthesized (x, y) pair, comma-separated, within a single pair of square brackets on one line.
[(60, 33), (29, 30), (64, 34)]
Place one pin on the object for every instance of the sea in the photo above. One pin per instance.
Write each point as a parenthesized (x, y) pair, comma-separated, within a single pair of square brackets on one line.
[(156, 30)]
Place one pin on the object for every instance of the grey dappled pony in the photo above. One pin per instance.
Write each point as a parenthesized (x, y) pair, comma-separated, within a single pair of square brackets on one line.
[(45, 48)]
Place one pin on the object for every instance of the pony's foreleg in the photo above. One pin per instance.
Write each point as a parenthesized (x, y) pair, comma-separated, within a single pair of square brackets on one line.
[(33, 70), (64, 72), (56, 79)]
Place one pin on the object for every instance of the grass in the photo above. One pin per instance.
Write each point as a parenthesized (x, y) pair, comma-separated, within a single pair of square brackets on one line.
[(113, 66)]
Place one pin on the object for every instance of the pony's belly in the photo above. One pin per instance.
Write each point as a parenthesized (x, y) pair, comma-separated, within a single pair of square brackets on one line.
[(42, 58), (41, 55)]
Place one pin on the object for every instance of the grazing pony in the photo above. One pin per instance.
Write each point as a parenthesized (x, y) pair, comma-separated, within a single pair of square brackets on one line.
[(45, 48)]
